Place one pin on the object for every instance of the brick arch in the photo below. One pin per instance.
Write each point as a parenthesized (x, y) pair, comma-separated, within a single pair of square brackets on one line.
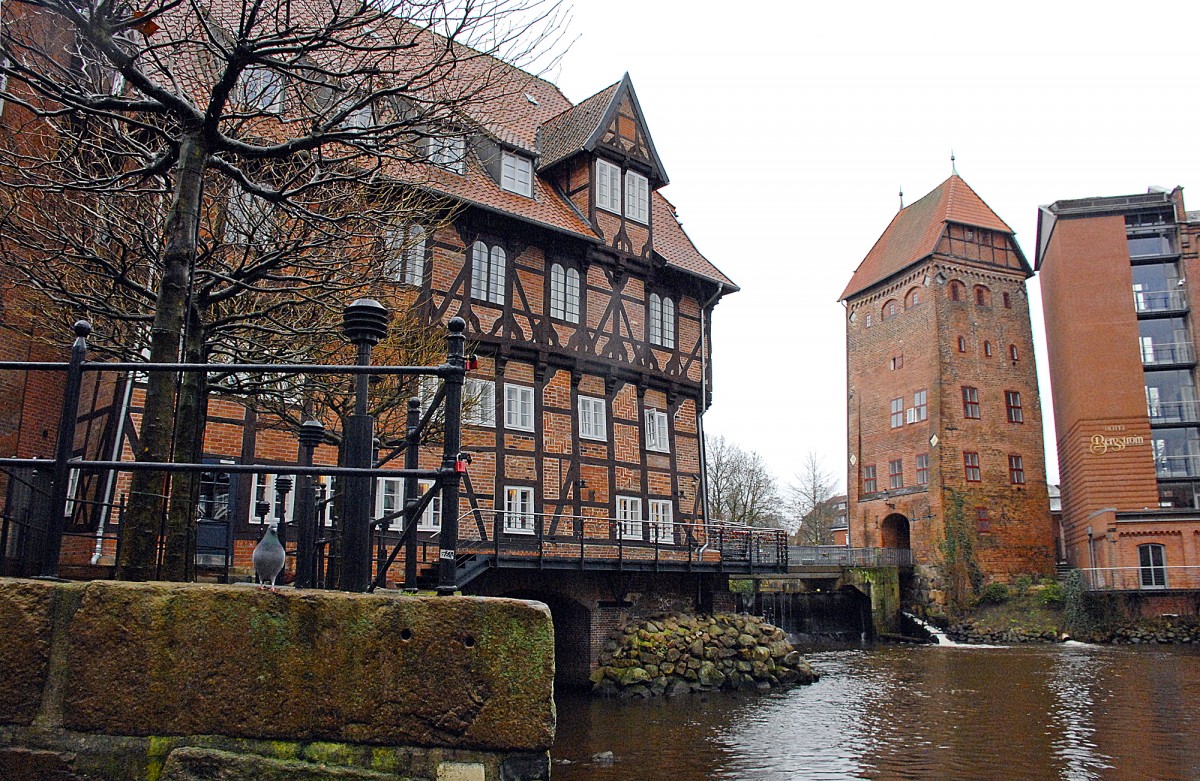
[(894, 532)]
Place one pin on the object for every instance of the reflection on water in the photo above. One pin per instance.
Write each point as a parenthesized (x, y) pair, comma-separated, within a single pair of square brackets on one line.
[(1068, 712)]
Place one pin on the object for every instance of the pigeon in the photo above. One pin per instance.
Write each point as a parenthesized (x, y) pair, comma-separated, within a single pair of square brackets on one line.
[(269, 557)]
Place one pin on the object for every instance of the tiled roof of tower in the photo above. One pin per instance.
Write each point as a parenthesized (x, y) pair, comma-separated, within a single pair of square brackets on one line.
[(566, 133), (914, 232), (671, 242)]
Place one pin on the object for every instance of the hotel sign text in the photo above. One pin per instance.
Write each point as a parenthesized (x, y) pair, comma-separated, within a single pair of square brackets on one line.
[(1101, 444)]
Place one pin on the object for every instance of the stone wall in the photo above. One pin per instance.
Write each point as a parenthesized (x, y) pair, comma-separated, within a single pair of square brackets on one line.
[(111, 679)]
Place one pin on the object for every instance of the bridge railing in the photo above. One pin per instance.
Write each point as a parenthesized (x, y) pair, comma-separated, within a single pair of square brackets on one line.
[(587, 539), (841, 556), (1141, 578)]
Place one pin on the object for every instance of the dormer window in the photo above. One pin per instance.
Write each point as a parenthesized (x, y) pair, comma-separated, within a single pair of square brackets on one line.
[(260, 89), (637, 197), (608, 186), (449, 152), (516, 174)]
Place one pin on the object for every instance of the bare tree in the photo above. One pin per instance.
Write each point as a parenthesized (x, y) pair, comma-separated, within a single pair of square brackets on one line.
[(810, 502), (740, 488), (220, 169)]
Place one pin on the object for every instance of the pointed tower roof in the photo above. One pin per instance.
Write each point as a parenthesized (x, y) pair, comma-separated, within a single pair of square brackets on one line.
[(914, 232), (580, 128)]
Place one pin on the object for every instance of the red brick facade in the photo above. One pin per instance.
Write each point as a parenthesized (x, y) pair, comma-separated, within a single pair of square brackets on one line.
[(945, 428)]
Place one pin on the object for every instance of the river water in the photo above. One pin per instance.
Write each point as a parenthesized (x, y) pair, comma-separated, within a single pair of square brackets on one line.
[(1071, 712)]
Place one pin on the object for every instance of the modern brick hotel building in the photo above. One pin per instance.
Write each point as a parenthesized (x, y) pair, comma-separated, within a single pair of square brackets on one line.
[(945, 428), (1118, 275)]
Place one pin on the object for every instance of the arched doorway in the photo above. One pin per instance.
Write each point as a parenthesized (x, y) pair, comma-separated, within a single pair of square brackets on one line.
[(572, 638), (893, 532)]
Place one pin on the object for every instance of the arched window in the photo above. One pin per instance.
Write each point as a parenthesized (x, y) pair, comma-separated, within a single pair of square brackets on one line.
[(914, 297), (487, 273), (957, 290), (1152, 561), (890, 309), (983, 296), (662, 321), (564, 293)]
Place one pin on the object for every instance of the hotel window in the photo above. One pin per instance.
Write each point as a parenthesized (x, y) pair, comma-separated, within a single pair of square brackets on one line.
[(867, 320), (516, 174), (920, 406), (487, 273), (661, 526), (518, 407), (970, 397), (1012, 400), (564, 293), (519, 516), (262, 489), (449, 152), (480, 402), (962, 344), (897, 362), (1012, 352), (591, 418), (914, 297), (1152, 560), (247, 220), (923, 469), (260, 89), (987, 349), (405, 247), (1016, 470), (890, 309), (971, 467), (656, 431), (982, 522), (637, 197), (868, 479), (608, 186), (629, 517), (896, 473), (897, 412), (662, 321), (983, 296), (389, 498)]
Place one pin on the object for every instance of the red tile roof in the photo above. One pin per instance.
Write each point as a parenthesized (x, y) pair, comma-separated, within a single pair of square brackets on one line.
[(914, 232), (672, 244)]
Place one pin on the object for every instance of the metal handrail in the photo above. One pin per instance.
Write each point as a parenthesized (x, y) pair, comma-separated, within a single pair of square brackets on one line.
[(1141, 578)]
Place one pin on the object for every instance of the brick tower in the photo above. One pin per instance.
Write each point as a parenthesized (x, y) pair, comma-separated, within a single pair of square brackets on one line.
[(945, 423)]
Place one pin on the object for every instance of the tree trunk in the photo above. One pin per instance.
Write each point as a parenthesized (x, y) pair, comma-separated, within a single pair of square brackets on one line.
[(147, 489), (191, 416)]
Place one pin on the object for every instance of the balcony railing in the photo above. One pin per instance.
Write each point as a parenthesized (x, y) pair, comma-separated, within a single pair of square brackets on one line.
[(1141, 578), (1177, 466), (1159, 301), (1174, 353), (841, 556), (1175, 412)]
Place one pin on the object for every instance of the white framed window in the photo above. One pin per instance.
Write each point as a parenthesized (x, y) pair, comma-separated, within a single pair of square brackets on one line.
[(72, 490), (449, 152), (247, 219), (389, 498), (629, 517), (480, 407), (657, 437), (920, 406), (608, 186), (519, 515), (518, 407), (637, 197), (661, 327), (487, 273), (592, 423), (897, 418), (405, 246), (260, 89), (516, 174), (262, 489), (564, 293), (661, 526)]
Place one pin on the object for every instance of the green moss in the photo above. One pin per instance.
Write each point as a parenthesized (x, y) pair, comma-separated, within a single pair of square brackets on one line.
[(330, 753), (156, 755)]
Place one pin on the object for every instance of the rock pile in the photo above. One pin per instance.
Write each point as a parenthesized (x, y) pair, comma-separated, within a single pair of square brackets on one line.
[(679, 653), (1161, 632), (968, 632)]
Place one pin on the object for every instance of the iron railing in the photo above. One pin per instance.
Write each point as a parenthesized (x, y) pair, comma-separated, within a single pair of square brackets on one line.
[(1159, 301), (1159, 353), (841, 556), (1141, 578)]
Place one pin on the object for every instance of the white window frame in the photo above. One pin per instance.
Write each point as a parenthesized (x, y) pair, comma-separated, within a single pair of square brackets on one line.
[(262, 488), (519, 512), (608, 186), (389, 497), (637, 197), (564, 293), (260, 89), (657, 431), (661, 328), (448, 152), (897, 412), (920, 405), (629, 517), (406, 253), (662, 526), (516, 174), (519, 408), (593, 420), (482, 408), (247, 219), (488, 267)]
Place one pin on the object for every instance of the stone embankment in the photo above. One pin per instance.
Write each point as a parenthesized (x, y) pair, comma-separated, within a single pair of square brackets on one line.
[(968, 632), (679, 653), (1160, 631)]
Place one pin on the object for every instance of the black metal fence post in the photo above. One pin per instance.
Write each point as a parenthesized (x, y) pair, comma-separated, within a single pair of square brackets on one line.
[(62, 451), (451, 458), (311, 434), (364, 323), (412, 460)]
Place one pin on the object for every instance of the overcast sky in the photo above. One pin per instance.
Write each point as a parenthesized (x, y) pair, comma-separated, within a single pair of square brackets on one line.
[(788, 129)]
